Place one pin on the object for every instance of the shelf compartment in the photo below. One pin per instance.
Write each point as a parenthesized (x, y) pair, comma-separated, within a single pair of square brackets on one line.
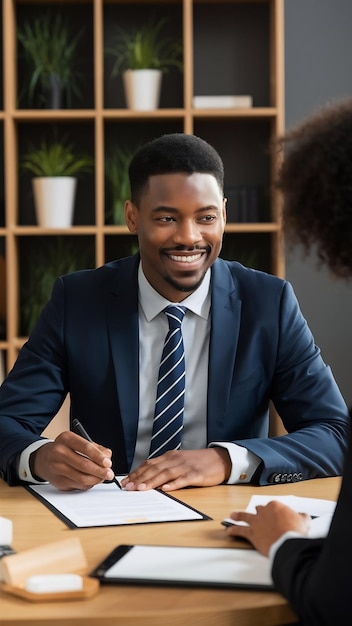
[(41, 261), (129, 16), (82, 137), (238, 33), (79, 18)]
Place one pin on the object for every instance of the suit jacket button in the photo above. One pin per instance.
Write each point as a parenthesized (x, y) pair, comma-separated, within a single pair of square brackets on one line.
[(275, 478), (300, 476), (289, 478)]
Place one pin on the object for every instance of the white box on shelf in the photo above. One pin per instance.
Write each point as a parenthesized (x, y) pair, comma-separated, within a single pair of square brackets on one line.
[(222, 102)]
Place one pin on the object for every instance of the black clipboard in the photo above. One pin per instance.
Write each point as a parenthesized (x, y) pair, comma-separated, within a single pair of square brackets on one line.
[(38, 491), (170, 566)]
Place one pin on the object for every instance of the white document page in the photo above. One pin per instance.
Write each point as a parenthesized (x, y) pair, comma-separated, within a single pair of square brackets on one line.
[(207, 566), (322, 510), (106, 505)]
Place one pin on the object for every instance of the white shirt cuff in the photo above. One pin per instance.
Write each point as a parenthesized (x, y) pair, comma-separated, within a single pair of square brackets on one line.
[(24, 470), (244, 462), (290, 534)]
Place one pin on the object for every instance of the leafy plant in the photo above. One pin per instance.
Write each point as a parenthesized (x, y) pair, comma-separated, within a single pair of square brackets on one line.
[(116, 172), (145, 48), (55, 159), (49, 49), (47, 261)]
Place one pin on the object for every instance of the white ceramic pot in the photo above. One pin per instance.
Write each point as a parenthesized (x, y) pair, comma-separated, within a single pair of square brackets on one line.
[(54, 198), (142, 89)]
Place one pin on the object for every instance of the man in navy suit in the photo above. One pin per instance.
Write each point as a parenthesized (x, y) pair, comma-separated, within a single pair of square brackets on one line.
[(100, 339), (314, 574)]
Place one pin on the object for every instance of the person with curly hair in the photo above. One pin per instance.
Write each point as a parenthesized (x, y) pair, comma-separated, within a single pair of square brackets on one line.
[(316, 182)]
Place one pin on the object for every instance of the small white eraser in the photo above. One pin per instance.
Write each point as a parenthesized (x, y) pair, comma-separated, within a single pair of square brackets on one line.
[(54, 583), (5, 531)]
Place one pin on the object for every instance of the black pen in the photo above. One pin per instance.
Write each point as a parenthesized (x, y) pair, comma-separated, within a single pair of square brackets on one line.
[(79, 430)]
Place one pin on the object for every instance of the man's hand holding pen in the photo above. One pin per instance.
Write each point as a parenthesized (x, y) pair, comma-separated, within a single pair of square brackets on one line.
[(71, 462)]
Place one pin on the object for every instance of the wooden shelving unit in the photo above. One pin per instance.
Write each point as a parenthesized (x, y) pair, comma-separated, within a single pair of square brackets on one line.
[(230, 46)]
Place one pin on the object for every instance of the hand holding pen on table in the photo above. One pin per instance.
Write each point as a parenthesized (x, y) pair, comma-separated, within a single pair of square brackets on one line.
[(78, 428), (73, 461)]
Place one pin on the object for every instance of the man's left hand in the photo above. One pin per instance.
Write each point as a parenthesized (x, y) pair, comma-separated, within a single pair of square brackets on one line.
[(181, 468)]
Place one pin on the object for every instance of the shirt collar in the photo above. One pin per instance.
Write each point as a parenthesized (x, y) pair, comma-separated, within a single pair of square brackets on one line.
[(152, 303)]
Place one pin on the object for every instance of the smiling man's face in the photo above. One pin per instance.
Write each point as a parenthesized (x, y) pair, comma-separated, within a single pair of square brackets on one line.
[(180, 223)]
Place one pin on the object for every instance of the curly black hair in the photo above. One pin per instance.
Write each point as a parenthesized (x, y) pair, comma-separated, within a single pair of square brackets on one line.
[(315, 179)]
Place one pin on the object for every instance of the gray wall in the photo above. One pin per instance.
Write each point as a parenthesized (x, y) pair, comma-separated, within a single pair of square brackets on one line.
[(318, 68)]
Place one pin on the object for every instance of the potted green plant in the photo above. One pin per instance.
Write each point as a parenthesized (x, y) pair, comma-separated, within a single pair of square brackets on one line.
[(49, 48), (48, 260), (142, 55), (55, 167), (116, 173)]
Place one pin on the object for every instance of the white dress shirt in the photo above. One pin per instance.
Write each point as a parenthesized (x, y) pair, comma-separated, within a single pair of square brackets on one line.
[(153, 327)]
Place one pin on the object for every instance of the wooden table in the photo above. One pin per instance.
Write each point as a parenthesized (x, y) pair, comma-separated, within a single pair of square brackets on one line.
[(35, 525)]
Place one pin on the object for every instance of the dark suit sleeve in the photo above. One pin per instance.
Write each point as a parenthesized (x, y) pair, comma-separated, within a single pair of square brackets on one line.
[(73, 349), (314, 574), (35, 388), (306, 397)]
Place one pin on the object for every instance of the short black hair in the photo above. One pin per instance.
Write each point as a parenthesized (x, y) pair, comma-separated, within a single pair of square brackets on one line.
[(173, 153)]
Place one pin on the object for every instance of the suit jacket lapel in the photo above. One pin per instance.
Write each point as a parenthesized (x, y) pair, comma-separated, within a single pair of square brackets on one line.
[(225, 325), (123, 331)]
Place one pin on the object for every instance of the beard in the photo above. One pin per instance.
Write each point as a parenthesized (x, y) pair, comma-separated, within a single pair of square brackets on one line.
[(182, 287)]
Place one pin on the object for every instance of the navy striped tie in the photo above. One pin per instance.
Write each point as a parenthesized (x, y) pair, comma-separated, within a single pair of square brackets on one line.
[(169, 406)]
